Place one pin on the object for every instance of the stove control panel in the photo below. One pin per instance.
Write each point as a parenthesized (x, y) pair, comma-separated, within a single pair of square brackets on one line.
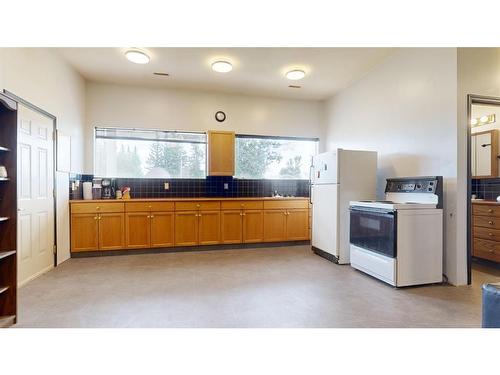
[(427, 185)]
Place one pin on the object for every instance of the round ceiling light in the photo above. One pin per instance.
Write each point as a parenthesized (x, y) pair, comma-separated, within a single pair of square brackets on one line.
[(137, 57), (473, 122), (222, 66), (483, 119), (295, 75)]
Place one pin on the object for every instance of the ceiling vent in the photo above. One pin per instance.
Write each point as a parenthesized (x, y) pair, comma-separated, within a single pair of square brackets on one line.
[(294, 86), (161, 74)]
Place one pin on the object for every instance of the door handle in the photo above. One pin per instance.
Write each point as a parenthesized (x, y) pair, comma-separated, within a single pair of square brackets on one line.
[(310, 183)]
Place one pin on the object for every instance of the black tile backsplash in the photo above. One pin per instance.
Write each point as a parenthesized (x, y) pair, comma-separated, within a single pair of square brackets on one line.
[(210, 187), (487, 188)]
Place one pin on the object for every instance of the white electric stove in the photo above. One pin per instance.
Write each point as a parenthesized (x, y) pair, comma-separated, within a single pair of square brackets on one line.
[(400, 240)]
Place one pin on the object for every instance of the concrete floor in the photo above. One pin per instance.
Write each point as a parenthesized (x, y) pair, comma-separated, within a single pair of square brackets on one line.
[(266, 287)]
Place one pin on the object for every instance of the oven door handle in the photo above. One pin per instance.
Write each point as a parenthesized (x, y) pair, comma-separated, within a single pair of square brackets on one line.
[(371, 211)]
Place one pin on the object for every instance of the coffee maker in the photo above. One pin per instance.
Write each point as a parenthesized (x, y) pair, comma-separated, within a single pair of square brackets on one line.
[(107, 189)]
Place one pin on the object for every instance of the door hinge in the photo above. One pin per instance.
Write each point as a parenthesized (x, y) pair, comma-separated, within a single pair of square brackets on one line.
[(54, 249)]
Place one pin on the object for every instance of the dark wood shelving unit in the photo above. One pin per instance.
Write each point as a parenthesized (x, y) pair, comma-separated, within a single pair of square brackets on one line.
[(8, 212)]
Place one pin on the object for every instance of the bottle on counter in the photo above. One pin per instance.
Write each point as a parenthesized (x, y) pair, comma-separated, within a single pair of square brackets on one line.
[(126, 192)]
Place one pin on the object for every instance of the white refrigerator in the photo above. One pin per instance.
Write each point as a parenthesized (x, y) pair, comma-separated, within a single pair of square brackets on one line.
[(338, 177)]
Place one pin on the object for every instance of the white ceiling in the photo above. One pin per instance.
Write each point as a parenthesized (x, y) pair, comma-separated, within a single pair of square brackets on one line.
[(257, 71)]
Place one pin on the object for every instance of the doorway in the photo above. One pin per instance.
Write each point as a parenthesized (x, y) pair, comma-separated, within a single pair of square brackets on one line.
[(36, 233), (483, 182)]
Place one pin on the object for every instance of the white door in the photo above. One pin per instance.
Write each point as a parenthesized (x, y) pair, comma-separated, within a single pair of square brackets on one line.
[(35, 183), (325, 218)]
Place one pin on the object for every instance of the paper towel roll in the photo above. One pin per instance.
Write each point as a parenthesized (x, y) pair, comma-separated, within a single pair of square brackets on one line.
[(87, 190)]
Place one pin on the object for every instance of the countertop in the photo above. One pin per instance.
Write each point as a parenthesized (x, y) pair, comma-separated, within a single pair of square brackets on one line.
[(184, 199), (485, 201)]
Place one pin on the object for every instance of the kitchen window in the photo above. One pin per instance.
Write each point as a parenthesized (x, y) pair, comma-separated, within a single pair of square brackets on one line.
[(136, 153), (267, 157)]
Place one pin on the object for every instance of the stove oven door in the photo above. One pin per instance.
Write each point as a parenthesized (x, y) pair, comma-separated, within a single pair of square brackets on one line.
[(374, 230)]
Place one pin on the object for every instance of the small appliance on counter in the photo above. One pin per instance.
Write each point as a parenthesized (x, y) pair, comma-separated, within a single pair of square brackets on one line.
[(338, 177), (107, 189), (400, 240)]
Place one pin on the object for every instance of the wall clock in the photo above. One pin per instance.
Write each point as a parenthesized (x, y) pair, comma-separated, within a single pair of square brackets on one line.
[(220, 116)]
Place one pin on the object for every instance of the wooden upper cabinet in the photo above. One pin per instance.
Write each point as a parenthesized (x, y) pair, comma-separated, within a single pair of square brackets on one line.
[(231, 226), (220, 153), (162, 229), (84, 232), (209, 227), (137, 232), (297, 225), (111, 231), (253, 226)]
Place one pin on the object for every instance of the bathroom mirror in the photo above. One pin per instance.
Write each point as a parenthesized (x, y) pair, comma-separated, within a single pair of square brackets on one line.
[(484, 150)]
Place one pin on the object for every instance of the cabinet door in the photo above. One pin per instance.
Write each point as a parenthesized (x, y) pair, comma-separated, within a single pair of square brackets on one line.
[(111, 231), (162, 229), (297, 225), (231, 226), (253, 226), (84, 232), (186, 228), (274, 225), (220, 153), (137, 230), (209, 227)]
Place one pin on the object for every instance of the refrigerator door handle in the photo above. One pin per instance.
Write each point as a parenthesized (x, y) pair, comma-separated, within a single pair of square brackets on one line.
[(310, 183)]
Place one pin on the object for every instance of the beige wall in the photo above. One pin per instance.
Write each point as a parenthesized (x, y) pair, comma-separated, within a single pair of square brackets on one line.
[(132, 106), (42, 78), (405, 109)]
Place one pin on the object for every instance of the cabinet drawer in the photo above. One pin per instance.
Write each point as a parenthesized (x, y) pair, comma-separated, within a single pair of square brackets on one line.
[(84, 208), (486, 249), (487, 222), (149, 206), (243, 205), (283, 204), (486, 233), (196, 205), (486, 210)]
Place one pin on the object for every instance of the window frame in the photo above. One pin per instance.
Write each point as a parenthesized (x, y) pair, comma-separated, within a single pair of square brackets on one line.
[(95, 137), (278, 138)]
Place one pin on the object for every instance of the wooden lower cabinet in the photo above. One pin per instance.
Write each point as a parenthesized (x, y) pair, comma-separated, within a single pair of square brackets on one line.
[(297, 225), (274, 225), (111, 231), (253, 226), (186, 228), (195, 223), (92, 232), (162, 229), (486, 231), (209, 227), (231, 226), (242, 226), (84, 232), (137, 230)]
